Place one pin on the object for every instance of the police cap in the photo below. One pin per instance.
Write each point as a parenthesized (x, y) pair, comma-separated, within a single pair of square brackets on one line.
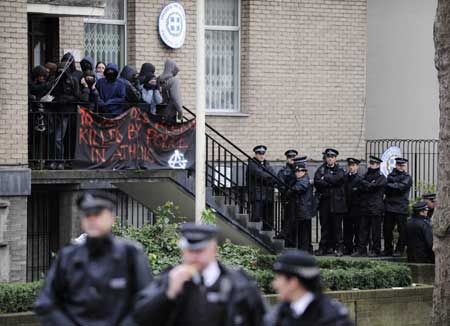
[(291, 153), (420, 206), (429, 196), (401, 160), (94, 201), (298, 263), (352, 160), (260, 149), (374, 159), (331, 152), (300, 167), (196, 237)]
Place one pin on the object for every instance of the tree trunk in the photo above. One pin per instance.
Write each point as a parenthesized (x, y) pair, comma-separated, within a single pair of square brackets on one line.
[(441, 219)]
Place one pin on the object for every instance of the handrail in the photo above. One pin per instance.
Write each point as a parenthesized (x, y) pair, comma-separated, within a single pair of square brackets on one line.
[(240, 150)]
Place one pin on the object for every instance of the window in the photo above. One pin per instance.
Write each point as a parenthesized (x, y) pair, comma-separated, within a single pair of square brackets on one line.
[(222, 38), (104, 37)]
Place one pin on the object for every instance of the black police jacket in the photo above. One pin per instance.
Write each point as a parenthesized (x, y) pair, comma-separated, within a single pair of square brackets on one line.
[(93, 287), (243, 302), (301, 201), (352, 184), (329, 183), (260, 180), (397, 192), (372, 193), (419, 240), (322, 311)]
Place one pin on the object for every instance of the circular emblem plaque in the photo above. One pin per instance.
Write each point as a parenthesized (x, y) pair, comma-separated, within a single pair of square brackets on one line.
[(172, 25)]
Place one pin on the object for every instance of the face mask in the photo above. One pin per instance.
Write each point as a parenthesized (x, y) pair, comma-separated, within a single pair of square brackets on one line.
[(90, 81), (110, 75)]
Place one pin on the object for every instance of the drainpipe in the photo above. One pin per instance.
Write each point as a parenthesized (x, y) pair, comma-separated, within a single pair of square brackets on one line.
[(200, 138)]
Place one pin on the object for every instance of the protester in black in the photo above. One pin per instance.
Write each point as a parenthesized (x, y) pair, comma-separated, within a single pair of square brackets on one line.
[(420, 236), (372, 208), (330, 192), (261, 188), (130, 76), (39, 84), (200, 291), (352, 181), (297, 283), (94, 281), (89, 93), (73, 71), (396, 202)]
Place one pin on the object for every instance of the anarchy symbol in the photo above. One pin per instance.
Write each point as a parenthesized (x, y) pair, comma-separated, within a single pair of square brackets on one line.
[(177, 161)]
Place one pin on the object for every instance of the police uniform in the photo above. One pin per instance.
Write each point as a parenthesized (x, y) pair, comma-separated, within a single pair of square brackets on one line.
[(352, 183), (432, 198), (300, 210), (396, 208), (313, 308), (419, 237), (287, 175), (260, 183), (94, 282), (217, 296), (330, 192), (372, 209)]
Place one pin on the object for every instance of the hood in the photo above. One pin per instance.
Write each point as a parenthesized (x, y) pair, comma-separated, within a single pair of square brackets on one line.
[(112, 66), (170, 70), (69, 57), (87, 59), (128, 72), (147, 72), (38, 71)]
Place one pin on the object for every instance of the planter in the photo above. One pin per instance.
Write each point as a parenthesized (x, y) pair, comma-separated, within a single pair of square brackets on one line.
[(394, 307), (19, 319)]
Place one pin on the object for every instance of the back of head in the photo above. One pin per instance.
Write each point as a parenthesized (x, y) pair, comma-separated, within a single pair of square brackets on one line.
[(170, 70), (38, 71)]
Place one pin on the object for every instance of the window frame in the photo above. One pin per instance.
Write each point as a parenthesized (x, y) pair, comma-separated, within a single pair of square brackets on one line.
[(237, 29), (122, 22)]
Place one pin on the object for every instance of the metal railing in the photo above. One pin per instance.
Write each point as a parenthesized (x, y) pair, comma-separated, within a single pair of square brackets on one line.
[(423, 157)]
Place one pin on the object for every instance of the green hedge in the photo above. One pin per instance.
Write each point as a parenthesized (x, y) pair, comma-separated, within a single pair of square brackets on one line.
[(18, 297)]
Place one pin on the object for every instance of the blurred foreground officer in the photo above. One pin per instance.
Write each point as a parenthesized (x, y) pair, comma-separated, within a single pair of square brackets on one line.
[(396, 203), (200, 291), (94, 282), (430, 199), (297, 283), (420, 236)]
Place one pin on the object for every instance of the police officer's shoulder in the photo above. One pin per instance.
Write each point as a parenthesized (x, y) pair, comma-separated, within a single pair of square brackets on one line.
[(128, 244), (239, 277), (333, 308)]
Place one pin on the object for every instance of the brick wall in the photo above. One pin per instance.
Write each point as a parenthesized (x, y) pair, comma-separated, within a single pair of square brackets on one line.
[(71, 34), (302, 72), (13, 82)]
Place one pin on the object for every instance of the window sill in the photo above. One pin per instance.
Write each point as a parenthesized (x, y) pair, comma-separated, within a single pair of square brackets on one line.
[(227, 114)]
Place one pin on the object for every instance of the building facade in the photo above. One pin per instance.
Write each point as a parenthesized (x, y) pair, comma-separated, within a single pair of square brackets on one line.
[(287, 74)]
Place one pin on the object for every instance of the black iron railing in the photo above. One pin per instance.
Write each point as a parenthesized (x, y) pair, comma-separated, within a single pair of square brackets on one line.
[(423, 157)]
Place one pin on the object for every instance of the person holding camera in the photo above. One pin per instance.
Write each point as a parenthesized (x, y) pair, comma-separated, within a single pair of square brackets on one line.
[(130, 76), (89, 94), (150, 93)]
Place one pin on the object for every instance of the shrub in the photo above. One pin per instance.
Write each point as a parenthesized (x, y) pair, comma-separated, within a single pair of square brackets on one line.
[(18, 297)]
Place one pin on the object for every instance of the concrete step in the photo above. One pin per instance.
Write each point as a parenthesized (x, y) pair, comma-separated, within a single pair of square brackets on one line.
[(278, 245), (255, 226), (233, 210), (270, 234), (243, 219), (220, 200)]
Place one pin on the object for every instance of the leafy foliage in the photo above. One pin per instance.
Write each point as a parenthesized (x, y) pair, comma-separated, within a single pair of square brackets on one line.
[(18, 297)]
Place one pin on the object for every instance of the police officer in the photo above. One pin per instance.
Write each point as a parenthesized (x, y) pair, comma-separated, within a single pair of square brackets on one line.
[(297, 283), (420, 236), (300, 208), (261, 187), (352, 181), (94, 281), (396, 202), (200, 291), (329, 183), (372, 208), (430, 199), (287, 175)]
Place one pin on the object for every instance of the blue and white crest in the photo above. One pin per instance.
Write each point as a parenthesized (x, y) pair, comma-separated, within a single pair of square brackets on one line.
[(172, 25)]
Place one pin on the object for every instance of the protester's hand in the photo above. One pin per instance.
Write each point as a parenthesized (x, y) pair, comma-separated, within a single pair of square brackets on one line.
[(83, 82), (93, 85), (177, 277)]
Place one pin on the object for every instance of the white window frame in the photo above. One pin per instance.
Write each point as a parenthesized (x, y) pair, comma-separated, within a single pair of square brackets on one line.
[(237, 29), (121, 22)]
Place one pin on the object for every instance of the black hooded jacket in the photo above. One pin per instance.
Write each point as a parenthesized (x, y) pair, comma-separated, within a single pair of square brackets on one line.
[(36, 89), (128, 75), (76, 74), (397, 192), (420, 240)]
